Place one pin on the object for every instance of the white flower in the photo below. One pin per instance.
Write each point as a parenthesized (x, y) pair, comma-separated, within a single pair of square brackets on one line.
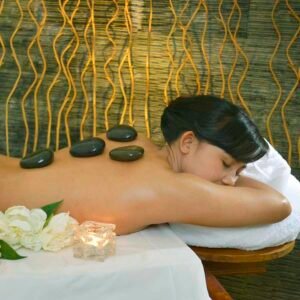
[(8, 235), (58, 233), (3, 226), (17, 217), (37, 219), (24, 226), (25, 220), (31, 241)]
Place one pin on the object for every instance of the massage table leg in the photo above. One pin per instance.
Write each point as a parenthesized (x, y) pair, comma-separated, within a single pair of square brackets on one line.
[(215, 289)]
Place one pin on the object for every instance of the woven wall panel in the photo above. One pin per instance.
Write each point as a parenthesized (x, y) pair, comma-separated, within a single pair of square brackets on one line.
[(71, 69)]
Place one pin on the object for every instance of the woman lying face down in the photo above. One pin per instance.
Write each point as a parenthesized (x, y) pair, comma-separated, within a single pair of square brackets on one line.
[(193, 179)]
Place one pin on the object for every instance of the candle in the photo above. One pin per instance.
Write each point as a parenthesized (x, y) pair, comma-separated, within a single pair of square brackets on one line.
[(93, 240)]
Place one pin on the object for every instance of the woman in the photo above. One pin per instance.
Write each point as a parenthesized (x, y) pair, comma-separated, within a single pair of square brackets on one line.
[(193, 179)]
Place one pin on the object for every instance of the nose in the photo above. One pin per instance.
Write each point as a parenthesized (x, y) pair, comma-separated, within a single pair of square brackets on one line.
[(230, 179)]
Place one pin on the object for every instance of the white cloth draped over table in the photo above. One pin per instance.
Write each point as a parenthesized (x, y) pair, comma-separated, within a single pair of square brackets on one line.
[(150, 264)]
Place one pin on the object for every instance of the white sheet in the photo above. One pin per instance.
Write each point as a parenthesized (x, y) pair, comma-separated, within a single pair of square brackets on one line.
[(150, 264)]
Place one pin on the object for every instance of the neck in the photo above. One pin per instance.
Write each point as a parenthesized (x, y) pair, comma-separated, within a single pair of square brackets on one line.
[(169, 155)]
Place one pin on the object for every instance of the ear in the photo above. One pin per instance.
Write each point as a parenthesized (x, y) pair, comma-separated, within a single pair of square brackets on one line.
[(186, 141)]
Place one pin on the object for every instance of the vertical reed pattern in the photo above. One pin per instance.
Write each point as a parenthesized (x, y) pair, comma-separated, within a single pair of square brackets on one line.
[(67, 73), (128, 23), (94, 68), (233, 39), (125, 56), (37, 81), (148, 71), (182, 64), (220, 54), (14, 55), (60, 68), (3, 48), (83, 74), (187, 52), (292, 91), (40, 27), (274, 74), (30, 88), (243, 102), (55, 80), (110, 58), (72, 83), (203, 49), (169, 52)]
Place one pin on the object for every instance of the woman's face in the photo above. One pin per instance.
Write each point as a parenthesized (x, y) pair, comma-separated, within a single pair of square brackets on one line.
[(210, 162)]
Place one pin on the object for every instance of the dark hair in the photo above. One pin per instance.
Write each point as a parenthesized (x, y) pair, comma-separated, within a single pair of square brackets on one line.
[(216, 121)]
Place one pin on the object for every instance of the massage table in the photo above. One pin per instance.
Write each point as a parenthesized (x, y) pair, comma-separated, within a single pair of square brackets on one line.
[(228, 261), (150, 264)]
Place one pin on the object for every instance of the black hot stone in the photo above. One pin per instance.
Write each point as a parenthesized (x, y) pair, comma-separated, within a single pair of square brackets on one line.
[(38, 159), (121, 133), (88, 147), (127, 153)]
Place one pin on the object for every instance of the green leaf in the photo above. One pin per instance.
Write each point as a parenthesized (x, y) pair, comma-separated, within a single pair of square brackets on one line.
[(7, 252), (48, 220), (50, 209)]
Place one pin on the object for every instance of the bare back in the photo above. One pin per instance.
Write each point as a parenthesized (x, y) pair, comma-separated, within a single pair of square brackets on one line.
[(136, 194), (94, 188)]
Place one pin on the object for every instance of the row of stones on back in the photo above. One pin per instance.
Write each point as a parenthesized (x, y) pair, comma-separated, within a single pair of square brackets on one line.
[(92, 147)]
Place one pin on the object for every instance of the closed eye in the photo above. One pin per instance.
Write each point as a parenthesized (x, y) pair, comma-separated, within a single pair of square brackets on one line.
[(225, 164)]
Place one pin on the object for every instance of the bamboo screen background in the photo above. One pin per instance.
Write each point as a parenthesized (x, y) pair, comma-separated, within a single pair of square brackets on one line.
[(70, 69)]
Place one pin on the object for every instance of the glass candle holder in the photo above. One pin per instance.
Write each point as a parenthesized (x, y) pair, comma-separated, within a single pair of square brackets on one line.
[(93, 240)]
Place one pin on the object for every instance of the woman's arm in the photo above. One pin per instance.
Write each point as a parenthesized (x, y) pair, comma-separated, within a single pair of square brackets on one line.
[(200, 202)]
